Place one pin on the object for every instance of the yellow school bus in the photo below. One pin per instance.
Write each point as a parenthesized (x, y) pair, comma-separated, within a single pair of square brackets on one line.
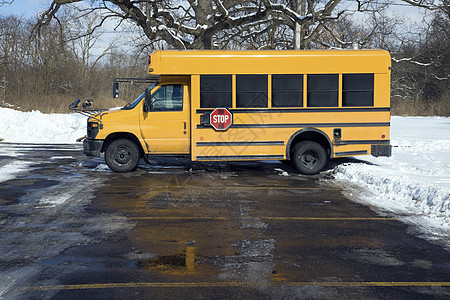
[(302, 107)]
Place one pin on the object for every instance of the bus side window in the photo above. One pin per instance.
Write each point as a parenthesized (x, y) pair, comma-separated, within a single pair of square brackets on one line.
[(323, 90), (168, 98), (215, 91), (357, 89), (287, 90), (252, 91)]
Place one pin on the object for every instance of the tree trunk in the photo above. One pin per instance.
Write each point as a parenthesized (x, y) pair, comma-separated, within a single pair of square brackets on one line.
[(299, 32)]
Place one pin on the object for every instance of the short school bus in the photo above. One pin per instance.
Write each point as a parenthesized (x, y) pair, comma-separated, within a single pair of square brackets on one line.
[(301, 107)]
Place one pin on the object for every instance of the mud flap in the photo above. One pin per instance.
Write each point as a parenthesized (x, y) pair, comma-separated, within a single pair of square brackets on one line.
[(381, 150)]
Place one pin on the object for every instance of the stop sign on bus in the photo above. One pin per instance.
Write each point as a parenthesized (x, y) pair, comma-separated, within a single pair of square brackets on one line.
[(221, 119)]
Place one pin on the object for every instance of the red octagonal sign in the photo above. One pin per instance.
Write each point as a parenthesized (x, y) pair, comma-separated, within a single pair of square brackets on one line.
[(221, 119)]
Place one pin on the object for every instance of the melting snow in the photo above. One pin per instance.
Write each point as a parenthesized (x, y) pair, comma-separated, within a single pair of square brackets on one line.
[(10, 171), (415, 181)]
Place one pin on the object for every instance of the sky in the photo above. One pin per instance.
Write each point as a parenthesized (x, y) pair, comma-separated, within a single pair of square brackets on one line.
[(29, 8), (25, 8)]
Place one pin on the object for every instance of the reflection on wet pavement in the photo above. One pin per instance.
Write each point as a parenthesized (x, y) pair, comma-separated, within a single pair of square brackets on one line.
[(245, 223)]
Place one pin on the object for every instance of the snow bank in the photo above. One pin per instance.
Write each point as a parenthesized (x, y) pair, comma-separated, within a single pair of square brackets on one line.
[(36, 127), (415, 181)]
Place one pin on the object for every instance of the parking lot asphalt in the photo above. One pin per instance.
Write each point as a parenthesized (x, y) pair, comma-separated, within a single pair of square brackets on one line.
[(175, 229)]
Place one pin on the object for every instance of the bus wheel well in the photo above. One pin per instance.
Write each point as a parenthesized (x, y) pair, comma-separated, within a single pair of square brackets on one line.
[(309, 134), (122, 135)]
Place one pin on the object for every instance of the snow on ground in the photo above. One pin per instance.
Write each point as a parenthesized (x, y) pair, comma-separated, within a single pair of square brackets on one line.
[(36, 127), (11, 170), (414, 182)]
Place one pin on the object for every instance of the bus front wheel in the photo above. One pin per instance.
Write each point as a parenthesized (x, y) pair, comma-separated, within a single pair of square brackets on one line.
[(309, 157), (122, 155)]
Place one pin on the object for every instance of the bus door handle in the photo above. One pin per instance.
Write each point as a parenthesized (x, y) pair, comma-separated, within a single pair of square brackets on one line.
[(184, 128)]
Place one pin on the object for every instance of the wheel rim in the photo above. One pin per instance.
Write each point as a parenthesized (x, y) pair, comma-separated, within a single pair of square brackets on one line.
[(122, 155), (309, 159)]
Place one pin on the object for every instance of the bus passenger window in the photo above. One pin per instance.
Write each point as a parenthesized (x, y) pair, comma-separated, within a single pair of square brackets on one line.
[(287, 90), (323, 90), (357, 89), (168, 98), (215, 91), (251, 91)]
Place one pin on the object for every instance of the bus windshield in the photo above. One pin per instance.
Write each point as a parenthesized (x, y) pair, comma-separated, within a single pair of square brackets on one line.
[(138, 99)]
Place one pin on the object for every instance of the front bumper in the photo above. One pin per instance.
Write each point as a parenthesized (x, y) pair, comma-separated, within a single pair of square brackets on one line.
[(92, 147)]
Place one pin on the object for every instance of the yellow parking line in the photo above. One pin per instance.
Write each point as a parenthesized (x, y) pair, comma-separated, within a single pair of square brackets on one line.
[(281, 188), (327, 219), (178, 218), (250, 187), (373, 284), (135, 285), (270, 218), (228, 284)]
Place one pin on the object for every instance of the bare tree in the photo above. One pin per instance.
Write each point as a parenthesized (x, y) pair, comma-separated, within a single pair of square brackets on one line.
[(84, 41), (3, 2), (44, 72), (420, 56), (433, 5), (199, 24)]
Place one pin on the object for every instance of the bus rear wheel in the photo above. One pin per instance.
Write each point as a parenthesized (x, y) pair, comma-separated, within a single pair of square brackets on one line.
[(309, 157), (122, 155)]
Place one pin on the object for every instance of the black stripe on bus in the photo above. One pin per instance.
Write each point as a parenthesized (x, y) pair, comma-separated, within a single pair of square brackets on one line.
[(300, 110), (340, 143), (301, 125), (263, 143), (239, 157), (361, 152)]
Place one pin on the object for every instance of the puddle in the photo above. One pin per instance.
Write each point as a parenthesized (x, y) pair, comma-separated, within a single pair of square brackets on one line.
[(178, 264)]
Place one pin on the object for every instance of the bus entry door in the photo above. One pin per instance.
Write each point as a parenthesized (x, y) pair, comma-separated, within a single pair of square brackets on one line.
[(165, 127)]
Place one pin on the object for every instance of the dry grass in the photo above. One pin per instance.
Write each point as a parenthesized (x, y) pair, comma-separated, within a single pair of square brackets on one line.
[(23, 100), (422, 108), (58, 103)]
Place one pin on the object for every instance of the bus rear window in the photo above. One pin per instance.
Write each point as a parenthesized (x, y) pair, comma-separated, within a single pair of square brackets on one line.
[(323, 90), (357, 89), (215, 91)]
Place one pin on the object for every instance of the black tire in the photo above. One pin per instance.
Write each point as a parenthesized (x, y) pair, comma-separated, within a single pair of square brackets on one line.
[(309, 157), (122, 155)]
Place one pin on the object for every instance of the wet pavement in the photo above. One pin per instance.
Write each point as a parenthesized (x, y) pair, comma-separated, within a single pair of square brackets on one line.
[(72, 229)]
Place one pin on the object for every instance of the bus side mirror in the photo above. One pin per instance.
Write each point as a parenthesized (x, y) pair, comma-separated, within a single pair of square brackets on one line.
[(147, 100), (115, 89), (88, 103), (75, 104)]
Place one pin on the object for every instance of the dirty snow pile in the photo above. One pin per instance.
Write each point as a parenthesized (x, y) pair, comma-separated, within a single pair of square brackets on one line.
[(36, 127), (415, 182)]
